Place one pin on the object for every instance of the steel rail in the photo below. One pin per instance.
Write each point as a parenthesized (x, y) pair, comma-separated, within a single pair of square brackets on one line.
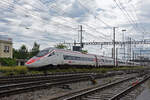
[(22, 87), (5, 87), (128, 90), (27, 79), (37, 87), (37, 75), (85, 93)]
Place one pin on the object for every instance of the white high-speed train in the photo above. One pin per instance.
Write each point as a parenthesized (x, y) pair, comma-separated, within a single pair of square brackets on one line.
[(52, 57)]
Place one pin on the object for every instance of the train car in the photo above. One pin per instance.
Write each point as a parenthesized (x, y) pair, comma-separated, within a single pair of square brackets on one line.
[(43, 58), (52, 57), (121, 63), (104, 61)]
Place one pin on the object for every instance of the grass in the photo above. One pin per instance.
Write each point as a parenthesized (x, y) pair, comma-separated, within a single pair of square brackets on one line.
[(17, 70), (13, 70)]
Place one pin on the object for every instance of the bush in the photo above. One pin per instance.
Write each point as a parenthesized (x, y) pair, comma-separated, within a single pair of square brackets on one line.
[(7, 62)]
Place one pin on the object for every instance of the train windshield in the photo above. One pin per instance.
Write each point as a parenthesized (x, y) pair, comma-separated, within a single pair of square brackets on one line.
[(42, 53)]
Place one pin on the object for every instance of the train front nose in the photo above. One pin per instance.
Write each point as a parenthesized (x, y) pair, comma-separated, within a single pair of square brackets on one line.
[(32, 62)]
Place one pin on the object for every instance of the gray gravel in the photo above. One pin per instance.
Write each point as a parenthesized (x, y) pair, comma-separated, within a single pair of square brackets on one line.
[(133, 94), (46, 94), (138, 93), (108, 93)]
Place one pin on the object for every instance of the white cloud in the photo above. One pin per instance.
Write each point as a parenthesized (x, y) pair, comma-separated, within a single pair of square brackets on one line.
[(52, 21)]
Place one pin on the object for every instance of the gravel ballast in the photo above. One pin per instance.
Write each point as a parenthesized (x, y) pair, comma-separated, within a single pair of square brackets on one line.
[(47, 94)]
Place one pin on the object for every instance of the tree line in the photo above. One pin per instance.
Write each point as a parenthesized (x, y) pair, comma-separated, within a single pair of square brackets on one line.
[(24, 53)]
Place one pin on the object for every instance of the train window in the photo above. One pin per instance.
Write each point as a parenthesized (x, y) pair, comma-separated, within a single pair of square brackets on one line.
[(78, 58), (89, 59), (82, 58), (73, 58), (85, 59), (69, 58), (51, 54), (65, 57), (102, 60), (42, 53)]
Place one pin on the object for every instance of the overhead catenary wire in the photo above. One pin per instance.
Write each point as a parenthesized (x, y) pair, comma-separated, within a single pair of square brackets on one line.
[(44, 30), (129, 20), (97, 18), (43, 20), (94, 16), (58, 10), (54, 6), (31, 14), (131, 17), (141, 26), (90, 27)]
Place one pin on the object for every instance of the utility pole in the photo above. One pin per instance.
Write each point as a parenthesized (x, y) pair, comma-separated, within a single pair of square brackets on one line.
[(133, 56), (74, 42), (130, 48), (81, 38), (117, 57), (123, 40), (140, 58), (114, 51)]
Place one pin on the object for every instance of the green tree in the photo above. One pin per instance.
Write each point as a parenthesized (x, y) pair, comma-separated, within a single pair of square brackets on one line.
[(61, 46), (15, 53), (35, 49), (23, 52), (84, 51)]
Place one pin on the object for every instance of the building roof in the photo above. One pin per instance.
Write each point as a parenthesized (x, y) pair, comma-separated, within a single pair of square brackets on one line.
[(5, 39)]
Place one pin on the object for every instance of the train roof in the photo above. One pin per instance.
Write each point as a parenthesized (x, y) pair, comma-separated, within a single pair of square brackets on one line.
[(56, 49)]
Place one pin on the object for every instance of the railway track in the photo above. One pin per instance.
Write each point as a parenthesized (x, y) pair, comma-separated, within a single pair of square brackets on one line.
[(30, 78), (44, 82), (128, 90), (57, 74), (21, 85), (23, 78), (112, 91), (52, 77), (37, 77), (11, 89)]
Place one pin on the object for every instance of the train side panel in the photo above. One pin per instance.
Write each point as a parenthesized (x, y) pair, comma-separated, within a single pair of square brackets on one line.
[(74, 58)]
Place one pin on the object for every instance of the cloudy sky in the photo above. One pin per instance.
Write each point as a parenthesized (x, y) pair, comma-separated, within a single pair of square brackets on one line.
[(49, 22)]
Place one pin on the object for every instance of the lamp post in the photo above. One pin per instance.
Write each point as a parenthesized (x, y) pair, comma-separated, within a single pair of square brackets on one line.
[(123, 35)]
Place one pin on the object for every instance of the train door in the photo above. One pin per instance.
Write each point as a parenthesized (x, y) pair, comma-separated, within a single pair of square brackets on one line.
[(60, 58), (96, 61), (54, 58)]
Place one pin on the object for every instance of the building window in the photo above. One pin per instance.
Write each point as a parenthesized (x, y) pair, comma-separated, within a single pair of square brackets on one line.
[(6, 49)]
